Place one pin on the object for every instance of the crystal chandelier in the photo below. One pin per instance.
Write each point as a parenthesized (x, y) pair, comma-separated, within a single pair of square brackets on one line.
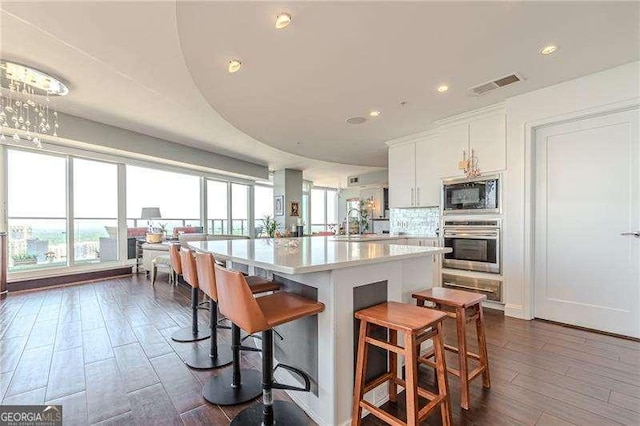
[(25, 111)]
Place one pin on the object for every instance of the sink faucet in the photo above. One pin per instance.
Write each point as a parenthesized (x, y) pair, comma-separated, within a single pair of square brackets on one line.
[(349, 210)]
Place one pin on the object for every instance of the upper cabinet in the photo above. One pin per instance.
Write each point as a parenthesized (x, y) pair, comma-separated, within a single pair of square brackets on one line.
[(483, 134), (418, 165), (488, 139), (402, 175)]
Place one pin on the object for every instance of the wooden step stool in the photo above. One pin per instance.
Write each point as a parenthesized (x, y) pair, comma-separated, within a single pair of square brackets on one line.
[(417, 325), (455, 304)]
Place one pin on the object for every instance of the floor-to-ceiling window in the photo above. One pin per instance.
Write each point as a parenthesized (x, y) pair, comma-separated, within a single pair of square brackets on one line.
[(36, 210), (262, 206), (95, 211), (240, 209), (323, 209), (176, 194), (217, 207)]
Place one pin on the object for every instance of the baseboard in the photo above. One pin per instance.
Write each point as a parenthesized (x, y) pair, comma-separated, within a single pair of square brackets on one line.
[(514, 311), (67, 279)]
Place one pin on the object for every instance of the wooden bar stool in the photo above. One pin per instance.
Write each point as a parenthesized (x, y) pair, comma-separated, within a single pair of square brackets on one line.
[(193, 333), (417, 325), (456, 304), (261, 314)]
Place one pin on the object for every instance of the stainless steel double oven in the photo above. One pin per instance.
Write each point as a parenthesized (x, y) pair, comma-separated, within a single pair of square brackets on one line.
[(474, 236)]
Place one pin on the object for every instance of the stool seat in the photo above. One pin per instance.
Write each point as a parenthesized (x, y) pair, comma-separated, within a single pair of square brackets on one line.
[(400, 316), (261, 285), (280, 308), (450, 297)]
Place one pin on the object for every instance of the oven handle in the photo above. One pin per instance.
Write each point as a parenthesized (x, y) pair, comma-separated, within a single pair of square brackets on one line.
[(468, 287), (470, 235)]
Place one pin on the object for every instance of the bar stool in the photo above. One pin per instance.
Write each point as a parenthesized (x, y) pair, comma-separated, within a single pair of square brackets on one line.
[(417, 325), (455, 304), (261, 315), (187, 334), (207, 282)]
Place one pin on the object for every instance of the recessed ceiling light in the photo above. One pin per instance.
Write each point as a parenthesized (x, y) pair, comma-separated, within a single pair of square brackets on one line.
[(548, 50), (356, 120), (374, 113), (443, 88), (234, 65), (283, 20)]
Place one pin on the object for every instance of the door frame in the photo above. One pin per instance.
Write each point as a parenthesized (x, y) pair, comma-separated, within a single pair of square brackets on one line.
[(530, 129)]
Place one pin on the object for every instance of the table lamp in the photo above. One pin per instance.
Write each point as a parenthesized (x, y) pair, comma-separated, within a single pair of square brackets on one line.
[(150, 213)]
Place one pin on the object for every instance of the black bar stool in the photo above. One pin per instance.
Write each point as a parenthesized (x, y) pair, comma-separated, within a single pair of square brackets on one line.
[(187, 334), (238, 385), (261, 314)]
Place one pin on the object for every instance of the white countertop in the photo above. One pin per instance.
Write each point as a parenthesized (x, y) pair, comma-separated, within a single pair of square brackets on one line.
[(380, 237), (312, 254)]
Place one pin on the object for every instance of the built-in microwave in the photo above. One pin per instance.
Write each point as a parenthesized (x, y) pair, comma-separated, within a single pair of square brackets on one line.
[(471, 195)]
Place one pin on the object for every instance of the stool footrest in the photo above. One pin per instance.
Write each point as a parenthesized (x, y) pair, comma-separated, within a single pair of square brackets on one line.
[(382, 415), (384, 345), (302, 374), (377, 382), (249, 348), (456, 350)]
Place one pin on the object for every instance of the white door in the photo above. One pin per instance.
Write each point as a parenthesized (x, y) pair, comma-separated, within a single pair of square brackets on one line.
[(587, 186)]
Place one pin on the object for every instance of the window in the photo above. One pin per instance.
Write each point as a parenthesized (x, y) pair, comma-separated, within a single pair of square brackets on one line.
[(323, 209), (262, 205), (95, 210), (37, 210), (177, 195), (318, 210), (217, 203), (239, 209)]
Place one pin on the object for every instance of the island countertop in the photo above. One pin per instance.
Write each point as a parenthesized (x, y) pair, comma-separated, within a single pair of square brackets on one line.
[(310, 254)]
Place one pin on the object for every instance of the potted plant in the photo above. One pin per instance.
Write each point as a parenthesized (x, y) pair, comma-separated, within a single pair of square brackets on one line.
[(269, 226), (20, 259)]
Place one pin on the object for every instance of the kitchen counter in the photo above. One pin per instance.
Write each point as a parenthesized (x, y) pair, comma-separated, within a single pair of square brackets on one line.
[(346, 276), (313, 254)]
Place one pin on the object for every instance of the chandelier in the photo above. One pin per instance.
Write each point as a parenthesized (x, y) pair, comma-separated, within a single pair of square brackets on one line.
[(25, 110)]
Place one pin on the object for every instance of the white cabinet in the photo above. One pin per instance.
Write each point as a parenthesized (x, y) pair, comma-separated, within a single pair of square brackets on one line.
[(452, 140), (428, 172), (414, 174), (485, 135), (487, 138), (402, 175)]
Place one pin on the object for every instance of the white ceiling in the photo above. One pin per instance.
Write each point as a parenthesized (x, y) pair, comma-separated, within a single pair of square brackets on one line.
[(159, 68)]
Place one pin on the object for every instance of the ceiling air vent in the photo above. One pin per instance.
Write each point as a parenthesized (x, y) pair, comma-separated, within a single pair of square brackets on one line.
[(483, 88)]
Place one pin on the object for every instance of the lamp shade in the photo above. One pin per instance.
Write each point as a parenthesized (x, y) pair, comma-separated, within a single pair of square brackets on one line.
[(150, 213)]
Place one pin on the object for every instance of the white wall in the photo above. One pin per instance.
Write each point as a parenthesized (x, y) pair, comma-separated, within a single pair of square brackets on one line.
[(608, 90)]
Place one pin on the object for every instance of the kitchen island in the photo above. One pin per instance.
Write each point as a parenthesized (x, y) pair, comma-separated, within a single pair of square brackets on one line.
[(346, 276)]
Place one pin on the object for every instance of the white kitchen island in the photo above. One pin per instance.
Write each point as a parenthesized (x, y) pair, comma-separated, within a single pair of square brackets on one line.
[(346, 276)]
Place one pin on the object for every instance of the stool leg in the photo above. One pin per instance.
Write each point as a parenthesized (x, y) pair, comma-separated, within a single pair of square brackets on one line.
[(482, 345), (461, 321), (411, 378), (361, 371), (393, 367), (194, 310), (267, 377), (443, 384), (235, 349)]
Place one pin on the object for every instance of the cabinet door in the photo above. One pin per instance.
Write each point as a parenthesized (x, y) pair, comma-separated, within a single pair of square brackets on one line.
[(402, 175), (428, 182), (487, 138), (453, 140)]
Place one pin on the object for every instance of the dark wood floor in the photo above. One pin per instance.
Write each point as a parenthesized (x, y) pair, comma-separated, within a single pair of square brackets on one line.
[(103, 351)]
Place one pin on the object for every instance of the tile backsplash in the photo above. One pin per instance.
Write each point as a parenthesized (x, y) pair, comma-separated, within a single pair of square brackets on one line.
[(415, 221)]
